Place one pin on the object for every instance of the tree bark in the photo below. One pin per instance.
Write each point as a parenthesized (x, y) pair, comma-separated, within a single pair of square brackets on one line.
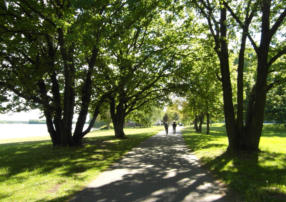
[(196, 127), (226, 84), (201, 120), (85, 100), (69, 94), (86, 95), (77, 137), (239, 119), (118, 118), (208, 123), (255, 114), (118, 123)]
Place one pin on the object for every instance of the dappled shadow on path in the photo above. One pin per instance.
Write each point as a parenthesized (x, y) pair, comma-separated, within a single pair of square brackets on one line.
[(160, 169)]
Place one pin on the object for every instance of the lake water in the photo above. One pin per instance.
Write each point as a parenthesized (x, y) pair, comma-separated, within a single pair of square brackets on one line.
[(8, 131)]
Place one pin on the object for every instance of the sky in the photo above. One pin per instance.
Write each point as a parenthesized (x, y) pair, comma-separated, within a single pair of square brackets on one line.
[(21, 116)]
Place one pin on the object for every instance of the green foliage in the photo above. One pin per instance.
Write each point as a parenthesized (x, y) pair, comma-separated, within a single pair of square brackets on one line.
[(203, 89), (66, 57), (276, 105), (147, 115), (173, 111), (104, 117)]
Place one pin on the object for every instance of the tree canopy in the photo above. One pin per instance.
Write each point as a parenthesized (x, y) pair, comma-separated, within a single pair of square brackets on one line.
[(70, 58)]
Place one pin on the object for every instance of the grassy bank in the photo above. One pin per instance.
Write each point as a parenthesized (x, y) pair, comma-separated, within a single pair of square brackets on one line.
[(35, 171), (256, 178)]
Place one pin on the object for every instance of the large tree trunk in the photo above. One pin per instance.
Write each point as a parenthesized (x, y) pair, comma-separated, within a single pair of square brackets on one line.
[(239, 119), (118, 123), (86, 95), (69, 94), (118, 118), (78, 137), (233, 142), (85, 100), (255, 113)]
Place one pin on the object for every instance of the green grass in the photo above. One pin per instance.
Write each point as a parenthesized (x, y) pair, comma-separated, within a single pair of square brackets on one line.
[(255, 178), (35, 171)]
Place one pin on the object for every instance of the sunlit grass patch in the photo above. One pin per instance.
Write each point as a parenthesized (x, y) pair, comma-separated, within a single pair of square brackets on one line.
[(255, 177), (35, 171)]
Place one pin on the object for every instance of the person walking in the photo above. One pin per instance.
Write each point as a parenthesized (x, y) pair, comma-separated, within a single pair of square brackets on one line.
[(166, 126), (174, 127), (166, 123)]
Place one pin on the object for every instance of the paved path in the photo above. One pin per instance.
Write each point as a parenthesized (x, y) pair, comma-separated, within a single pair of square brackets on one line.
[(160, 169)]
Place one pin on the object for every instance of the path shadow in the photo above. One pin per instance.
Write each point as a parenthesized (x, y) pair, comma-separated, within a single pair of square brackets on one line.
[(160, 169)]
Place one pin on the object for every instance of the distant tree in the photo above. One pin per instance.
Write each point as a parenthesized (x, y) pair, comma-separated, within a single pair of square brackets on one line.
[(199, 83), (276, 105), (105, 115), (173, 111), (147, 115)]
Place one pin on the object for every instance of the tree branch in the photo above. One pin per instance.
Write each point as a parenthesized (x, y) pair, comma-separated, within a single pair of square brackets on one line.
[(275, 57), (243, 25), (275, 83), (277, 23), (209, 20), (39, 13)]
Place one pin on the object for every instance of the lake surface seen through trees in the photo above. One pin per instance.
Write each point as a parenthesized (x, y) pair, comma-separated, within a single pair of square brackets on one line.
[(15, 130)]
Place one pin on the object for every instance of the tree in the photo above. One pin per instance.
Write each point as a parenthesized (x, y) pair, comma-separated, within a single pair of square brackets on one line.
[(139, 61), (147, 115), (50, 58), (269, 16), (200, 83), (173, 111)]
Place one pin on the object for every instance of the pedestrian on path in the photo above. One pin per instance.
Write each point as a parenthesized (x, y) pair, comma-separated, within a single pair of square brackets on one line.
[(166, 123), (166, 127), (174, 127)]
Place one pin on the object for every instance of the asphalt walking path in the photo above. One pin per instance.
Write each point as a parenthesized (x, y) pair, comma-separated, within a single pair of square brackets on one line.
[(160, 169)]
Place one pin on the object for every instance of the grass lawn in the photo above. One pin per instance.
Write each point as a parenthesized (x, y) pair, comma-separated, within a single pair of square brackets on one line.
[(32, 170), (256, 178)]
